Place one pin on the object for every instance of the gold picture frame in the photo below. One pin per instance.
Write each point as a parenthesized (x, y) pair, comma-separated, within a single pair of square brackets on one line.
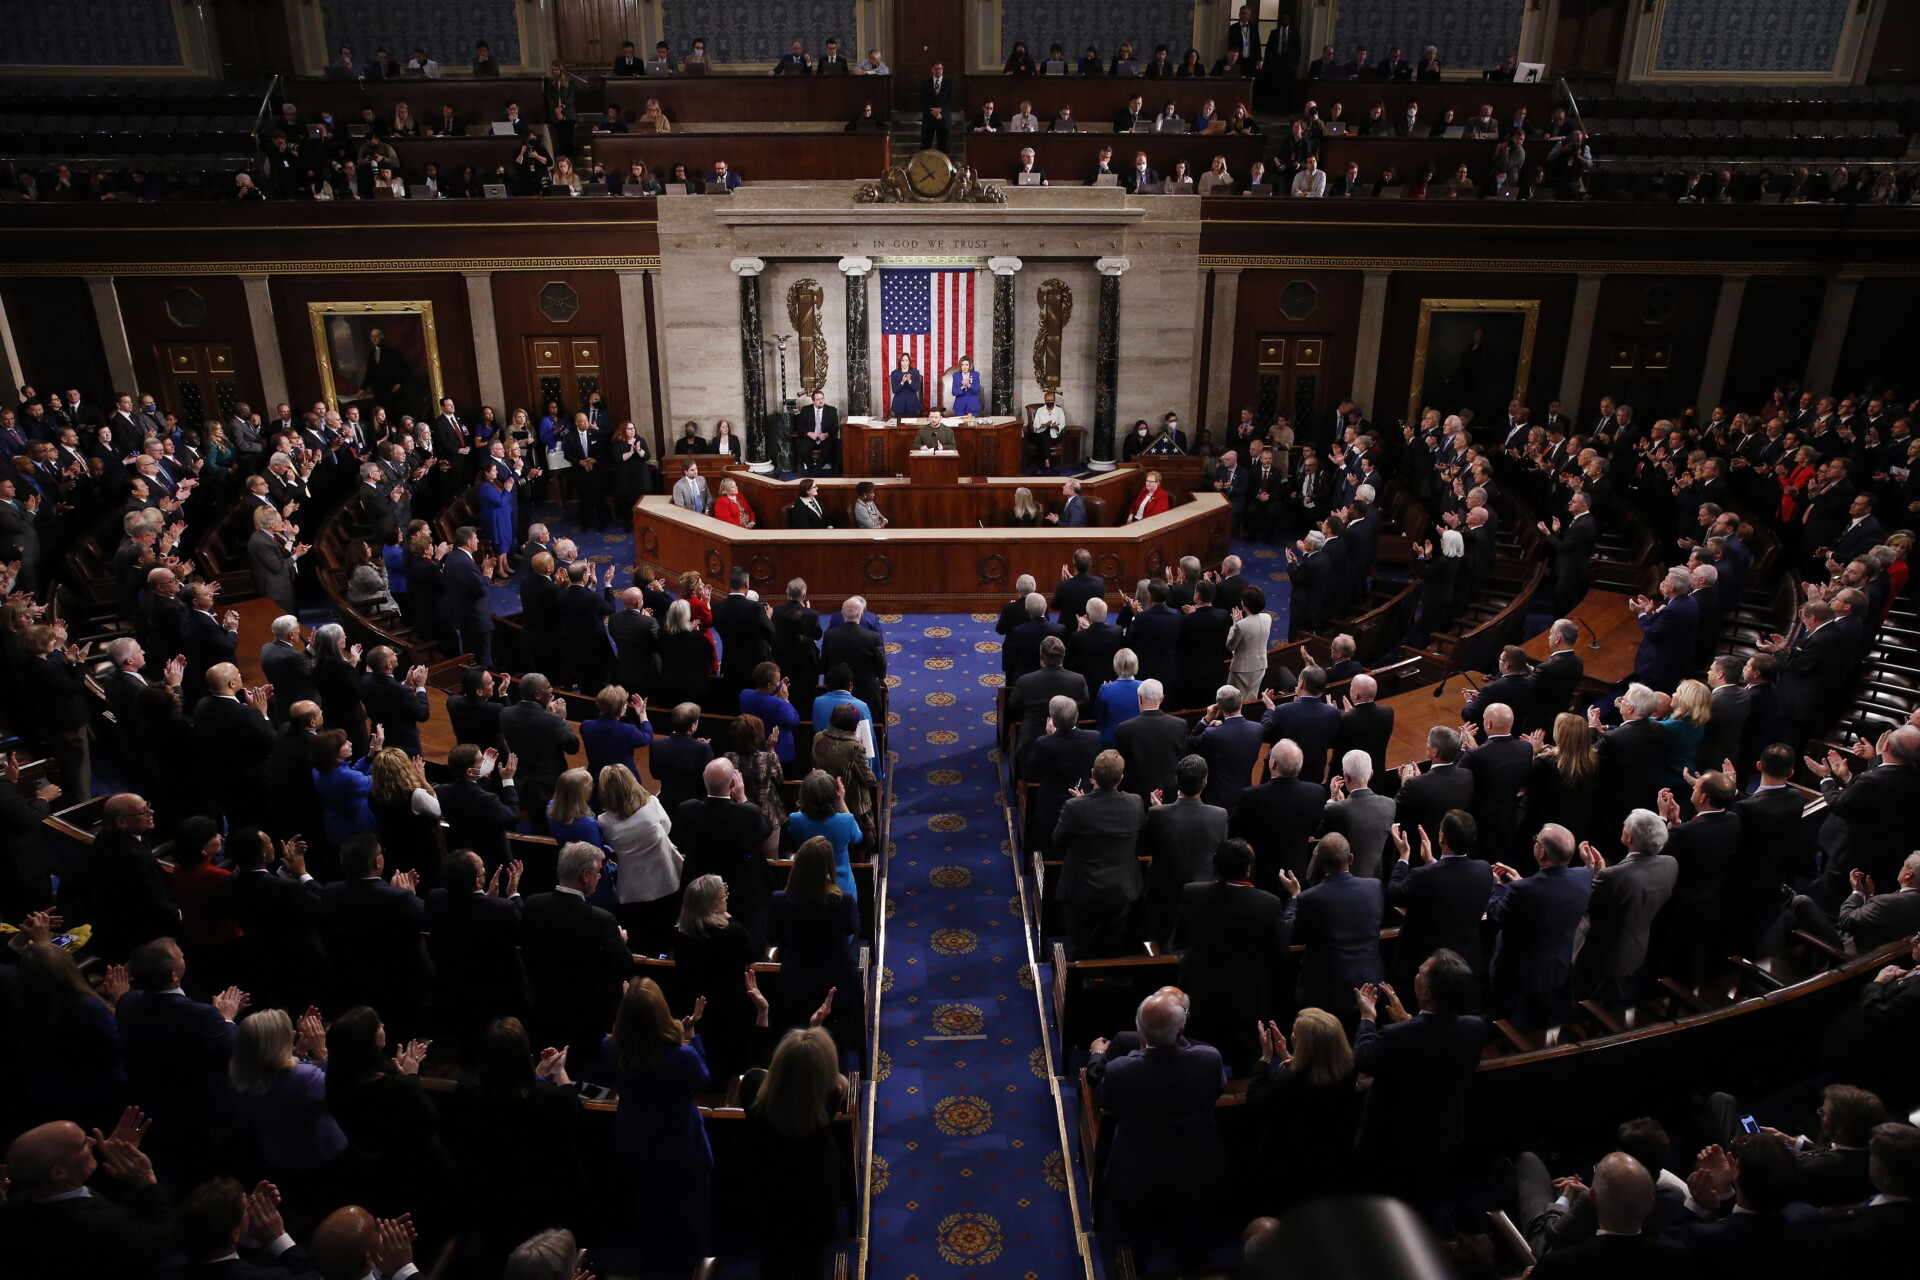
[(342, 346), (1518, 321)]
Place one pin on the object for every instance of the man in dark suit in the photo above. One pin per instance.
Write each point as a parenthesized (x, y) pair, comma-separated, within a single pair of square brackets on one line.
[(1202, 646), (373, 932), (1627, 897), (1743, 1215), (205, 640), (474, 712), (177, 1051), (1059, 758), (1230, 937), (1769, 827), (1425, 798), (1537, 918), (1029, 700), (468, 611), (1513, 687), (1624, 1203), (1154, 637), (54, 1223), (1870, 917), (1309, 720), (1243, 38), (1167, 1155), (576, 956), (287, 667), (1365, 725), (1152, 743), (1668, 628), (1628, 755), (936, 104), (1878, 1236), (235, 746), (1020, 654), (279, 915), (473, 927), (817, 447), (1572, 545), (536, 730), (745, 627), (1180, 839), (1076, 589), (1092, 645), (1139, 177), (581, 445), (1311, 573), (1499, 765), (1362, 816), (1421, 1066), (1556, 678), (1816, 667), (1227, 739), (477, 817), (1338, 922), (395, 705), (636, 638), (1097, 839), (723, 835), (863, 652), (1444, 898), (582, 607), (1706, 847)]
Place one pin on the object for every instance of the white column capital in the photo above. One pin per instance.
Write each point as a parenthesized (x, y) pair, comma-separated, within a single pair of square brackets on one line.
[(855, 266), (1112, 266), (1004, 266), (744, 267)]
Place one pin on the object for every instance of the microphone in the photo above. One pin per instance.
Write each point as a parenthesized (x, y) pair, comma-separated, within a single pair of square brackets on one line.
[(1590, 631)]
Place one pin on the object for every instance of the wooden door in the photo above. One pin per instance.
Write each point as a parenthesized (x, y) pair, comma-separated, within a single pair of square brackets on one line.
[(566, 369), (1640, 373), (1290, 379), (926, 32), (591, 32), (201, 382), (253, 36)]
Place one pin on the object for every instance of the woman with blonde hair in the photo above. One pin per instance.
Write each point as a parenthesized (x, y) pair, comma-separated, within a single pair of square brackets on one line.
[(408, 813), (564, 175), (711, 952), (653, 119), (636, 827), (815, 925), (570, 812), (797, 1174), (1680, 734), (280, 1092), (1301, 1093), (1026, 512), (659, 1066), (686, 655), (1563, 784)]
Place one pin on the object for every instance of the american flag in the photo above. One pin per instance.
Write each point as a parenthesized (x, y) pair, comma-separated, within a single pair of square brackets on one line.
[(927, 313)]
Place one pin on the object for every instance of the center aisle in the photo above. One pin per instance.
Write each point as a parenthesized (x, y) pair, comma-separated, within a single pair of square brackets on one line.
[(968, 1176)]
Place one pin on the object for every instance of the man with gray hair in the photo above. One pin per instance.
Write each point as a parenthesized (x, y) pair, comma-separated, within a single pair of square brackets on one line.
[(1020, 652), (1425, 798), (288, 668), (1537, 918), (1627, 896), (1151, 743), (1167, 1155), (1311, 575), (1014, 611), (576, 956), (1060, 758), (724, 834), (1557, 676), (1278, 818), (1229, 741), (1365, 725), (1669, 628), (1363, 817), (861, 648), (1629, 756), (1091, 646)]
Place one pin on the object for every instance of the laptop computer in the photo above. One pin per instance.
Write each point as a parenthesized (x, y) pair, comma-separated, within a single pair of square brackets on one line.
[(1772, 197), (559, 189), (478, 131), (1337, 128), (357, 130), (1184, 187), (695, 68), (1141, 126), (594, 189), (1107, 180), (1258, 189), (1391, 193), (503, 128), (1455, 132), (659, 67), (1028, 179), (674, 188), (494, 190), (1127, 68), (1053, 68)]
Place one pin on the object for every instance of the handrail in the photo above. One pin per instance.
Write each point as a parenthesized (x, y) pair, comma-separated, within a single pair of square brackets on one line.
[(1573, 103), (260, 116)]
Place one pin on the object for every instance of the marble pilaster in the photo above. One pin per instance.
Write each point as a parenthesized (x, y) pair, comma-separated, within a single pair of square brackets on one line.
[(1003, 272), (858, 344), (753, 367), (1107, 364)]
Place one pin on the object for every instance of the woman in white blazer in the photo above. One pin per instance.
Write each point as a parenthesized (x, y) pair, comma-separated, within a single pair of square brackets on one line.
[(1247, 643)]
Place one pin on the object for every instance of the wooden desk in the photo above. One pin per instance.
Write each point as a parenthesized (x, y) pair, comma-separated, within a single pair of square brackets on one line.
[(1417, 711), (953, 569), (1097, 99), (756, 157), (1618, 629), (971, 501), (930, 467), (987, 447), (690, 100), (1066, 158)]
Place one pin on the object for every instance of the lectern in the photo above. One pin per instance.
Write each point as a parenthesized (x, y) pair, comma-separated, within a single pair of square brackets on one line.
[(934, 466)]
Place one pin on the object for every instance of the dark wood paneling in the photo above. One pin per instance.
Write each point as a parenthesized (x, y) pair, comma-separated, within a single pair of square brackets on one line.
[(1097, 99), (517, 315), (1408, 156), (57, 337), (1883, 339), (452, 322), (1896, 49), (1770, 345), (1620, 317), (143, 306), (1404, 294), (926, 32), (694, 100), (590, 32), (1587, 36), (756, 157), (1067, 157), (253, 35), (1336, 313)]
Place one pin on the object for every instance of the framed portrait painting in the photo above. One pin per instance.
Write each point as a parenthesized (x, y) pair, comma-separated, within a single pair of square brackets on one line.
[(1472, 353), (382, 355)]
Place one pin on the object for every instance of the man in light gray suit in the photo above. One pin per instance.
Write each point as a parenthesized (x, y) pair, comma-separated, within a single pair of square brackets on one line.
[(271, 560), (1181, 838), (1098, 838), (1627, 895), (1363, 817), (690, 491)]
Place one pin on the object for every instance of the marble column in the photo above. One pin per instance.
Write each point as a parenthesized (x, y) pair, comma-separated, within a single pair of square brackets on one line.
[(753, 365), (1726, 318), (10, 366), (113, 334), (266, 343), (633, 321), (486, 337), (859, 354), (1219, 356), (1003, 272), (1573, 372), (1366, 349), (1106, 367), (1830, 334)]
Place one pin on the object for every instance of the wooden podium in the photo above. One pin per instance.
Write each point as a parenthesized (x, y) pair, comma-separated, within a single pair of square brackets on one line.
[(934, 467)]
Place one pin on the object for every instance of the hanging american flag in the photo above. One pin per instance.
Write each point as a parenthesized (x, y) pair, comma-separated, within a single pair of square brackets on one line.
[(927, 313)]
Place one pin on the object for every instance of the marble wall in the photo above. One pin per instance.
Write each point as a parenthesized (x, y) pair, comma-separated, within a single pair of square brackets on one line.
[(804, 229)]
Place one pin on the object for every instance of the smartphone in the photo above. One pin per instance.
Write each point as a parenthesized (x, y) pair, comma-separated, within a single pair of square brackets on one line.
[(62, 940), (593, 1092), (1749, 1125)]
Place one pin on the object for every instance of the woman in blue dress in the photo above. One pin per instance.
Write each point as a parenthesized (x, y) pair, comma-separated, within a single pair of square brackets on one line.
[(966, 389), (909, 388), (494, 494), (823, 812)]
